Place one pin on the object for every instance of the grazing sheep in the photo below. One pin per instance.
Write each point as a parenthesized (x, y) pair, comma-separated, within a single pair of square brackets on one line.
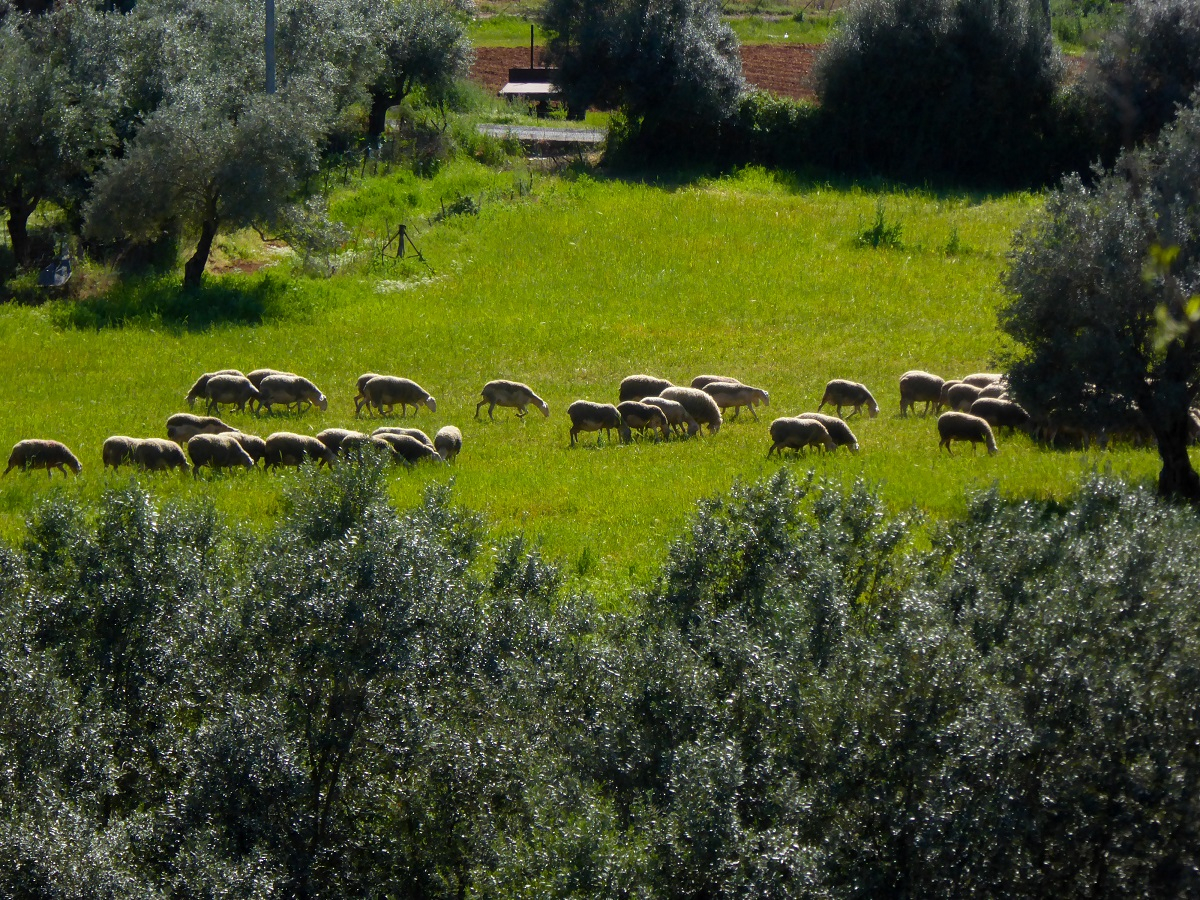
[(635, 414), (408, 449), (287, 449), (448, 442), (411, 432), (512, 394), (838, 429), (156, 454), (355, 445), (333, 437), (797, 433), (944, 396), (256, 377), (995, 389), (961, 396), (387, 390), (960, 426), (677, 416), (217, 451), (118, 449), (736, 395), (232, 389), (182, 427), (1000, 413), (983, 379), (255, 446), (700, 382), (588, 416), (700, 406), (289, 389), (839, 393), (360, 398), (38, 454), (197, 390), (638, 387), (919, 387)]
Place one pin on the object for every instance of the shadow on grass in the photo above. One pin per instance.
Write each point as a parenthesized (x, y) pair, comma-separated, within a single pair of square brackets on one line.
[(160, 301)]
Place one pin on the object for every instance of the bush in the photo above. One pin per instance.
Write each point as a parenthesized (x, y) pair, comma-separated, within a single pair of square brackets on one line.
[(960, 89)]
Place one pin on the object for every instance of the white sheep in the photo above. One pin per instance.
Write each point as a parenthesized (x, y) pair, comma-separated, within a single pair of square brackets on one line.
[(182, 427), (411, 432), (388, 390), (448, 442), (960, 426), (360, 398), (118, 449), (639, 415), (408, 449), (217, 451), (638, 387), (838, 429), (588, 416), (919, 387), (982, 379), (961, 396), (285, 448), (255, 447), (39, 454), (289, 389), (702, 381), (236, 390), (700, 406), (197, 390), (678, 417), (511, 394), (1000, 413), (839, 393), (735, 395), (157, 454), (794, 433)]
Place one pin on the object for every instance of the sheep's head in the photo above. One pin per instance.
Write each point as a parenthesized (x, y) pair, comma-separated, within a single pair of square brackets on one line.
[(544, 407), (322, 402), (431, 403), (873, 409)]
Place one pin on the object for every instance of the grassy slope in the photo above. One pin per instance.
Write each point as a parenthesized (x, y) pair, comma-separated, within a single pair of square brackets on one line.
[(513, 31), (570, 291)]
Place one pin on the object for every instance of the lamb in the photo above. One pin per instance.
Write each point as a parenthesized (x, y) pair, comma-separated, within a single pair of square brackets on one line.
[(961, 396), (217, 451), (983, 379), (677, 416), (635, 414), (1000, 413), (387, 390), (588, 416), (118, 449), (287, 449), (182, 427), (197, 390), (156, 454), (448, 442), (39, 454), (700, 382), (919, 387), (838, 430), (839, 393), (797, 433), (510, 394), (254, 446), (638, 387), (736, 395), (236, 390), (944, 396), (411, 432), (699, 405), (960, 426), (360, 398), (408, 449), (289, 389)]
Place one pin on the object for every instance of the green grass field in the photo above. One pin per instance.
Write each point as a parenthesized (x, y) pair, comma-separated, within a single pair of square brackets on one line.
[(570, 289), (506, 30)]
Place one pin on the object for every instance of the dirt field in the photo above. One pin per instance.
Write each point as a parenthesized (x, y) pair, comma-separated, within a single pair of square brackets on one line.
[(784, 69)]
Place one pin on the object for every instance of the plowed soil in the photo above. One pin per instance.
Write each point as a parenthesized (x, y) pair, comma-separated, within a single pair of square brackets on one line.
[(784, 69)]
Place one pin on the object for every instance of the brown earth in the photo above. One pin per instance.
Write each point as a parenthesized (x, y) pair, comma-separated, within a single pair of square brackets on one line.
[(784, 69)]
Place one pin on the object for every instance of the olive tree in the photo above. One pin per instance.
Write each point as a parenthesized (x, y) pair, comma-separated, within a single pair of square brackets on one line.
[(1084, 303)]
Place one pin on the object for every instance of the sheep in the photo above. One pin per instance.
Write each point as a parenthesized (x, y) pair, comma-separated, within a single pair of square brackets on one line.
[(677, 416), (360, 398), (254, 446), (285, 448), (236, 390), (38, 454), (355, 444), (411, 432), (182, 427), (944, 396), (118, 449), (700, 382), (197, 390), (387, 390), (217, 451), (588, 416), (961, 396), (638, 387), (289, 389), (635, 414), (1000, 413), (510, 394), (997, 389), (839, 393), (448, 442), (919, 387), (256, 377), (983, 379), (797, 434), (156, 454), (408, 449), (838, 429), (333, 437), (960, 426), (736, 395), (700, 406)]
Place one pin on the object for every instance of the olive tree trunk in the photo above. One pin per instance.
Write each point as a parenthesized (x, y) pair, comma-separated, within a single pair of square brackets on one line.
[(20, 208), (1177, 480), (193, 270)]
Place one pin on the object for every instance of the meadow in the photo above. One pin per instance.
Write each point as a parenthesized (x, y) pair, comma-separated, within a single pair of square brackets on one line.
[(569, 283)]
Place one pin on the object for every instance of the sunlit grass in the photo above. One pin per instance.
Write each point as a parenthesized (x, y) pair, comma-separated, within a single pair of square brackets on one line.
[(571, 289)]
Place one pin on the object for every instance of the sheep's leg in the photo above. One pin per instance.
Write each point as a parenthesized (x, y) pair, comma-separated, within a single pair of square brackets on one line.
[(521, 412), (752, 412), (479, 406), (736, 411)]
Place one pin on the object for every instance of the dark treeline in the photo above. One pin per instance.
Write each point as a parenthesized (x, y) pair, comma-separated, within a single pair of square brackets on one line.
[(817, 698)]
